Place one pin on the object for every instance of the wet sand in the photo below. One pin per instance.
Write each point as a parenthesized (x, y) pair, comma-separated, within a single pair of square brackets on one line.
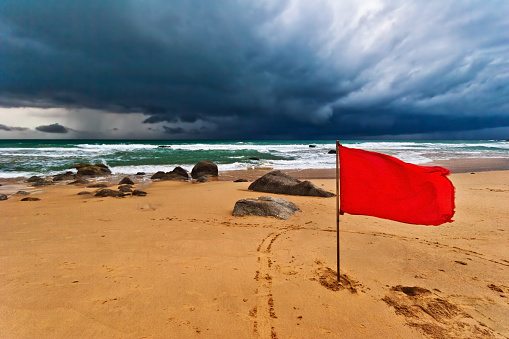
[(177, 264)]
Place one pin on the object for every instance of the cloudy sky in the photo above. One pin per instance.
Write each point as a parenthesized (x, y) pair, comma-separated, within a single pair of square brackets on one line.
[(242, 69)]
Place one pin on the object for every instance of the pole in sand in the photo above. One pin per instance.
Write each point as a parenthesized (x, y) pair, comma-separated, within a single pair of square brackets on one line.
[(337, 207)]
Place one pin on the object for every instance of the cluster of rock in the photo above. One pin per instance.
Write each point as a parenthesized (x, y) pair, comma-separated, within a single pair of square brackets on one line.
[(279, 183), (125, 188), (201, 172)]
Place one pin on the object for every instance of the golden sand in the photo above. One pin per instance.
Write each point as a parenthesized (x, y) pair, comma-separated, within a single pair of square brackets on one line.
[(177, 264)]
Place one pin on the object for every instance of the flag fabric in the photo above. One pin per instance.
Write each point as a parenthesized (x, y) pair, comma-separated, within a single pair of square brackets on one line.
[(383, 186)]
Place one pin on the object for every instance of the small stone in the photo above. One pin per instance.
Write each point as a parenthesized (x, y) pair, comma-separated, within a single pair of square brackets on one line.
[(22, 193), (139, 193), (84, 193), (126, 181), (30, 199), (97, 186), (241, 180), (3, 197), (140, 173)]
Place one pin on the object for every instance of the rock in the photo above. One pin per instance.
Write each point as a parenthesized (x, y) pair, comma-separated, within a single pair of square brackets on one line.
[(281, 183), (126, 181), (84, 193), (139, 193), (30, 199), (109, 193), (332, 151), (312, 146), (43, 183), (204, 168), (35, 178), (22, 193), (125, 188), (202, 179), (241, 180), (97, 186), (3, 197), (265, 207), (158, 175), (254, 158), (64, 176), (82, 181), (180, 171), (92, 170), (164, 146), (140, 173)]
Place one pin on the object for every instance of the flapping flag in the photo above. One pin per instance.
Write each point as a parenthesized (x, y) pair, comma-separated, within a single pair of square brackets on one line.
[(383, 186)]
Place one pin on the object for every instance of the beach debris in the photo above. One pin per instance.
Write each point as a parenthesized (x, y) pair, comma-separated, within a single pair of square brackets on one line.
[(109, 193), (84, 193), (64, 176), (92, 170), (3, 197), (265, 207), (139, 193), (22, 193), (241, 180), (126, 181), (178, 173), (30, 199), (204, 168), (281, 183)]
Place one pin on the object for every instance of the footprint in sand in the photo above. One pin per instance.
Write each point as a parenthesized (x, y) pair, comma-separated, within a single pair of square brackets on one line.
[(435, 316)]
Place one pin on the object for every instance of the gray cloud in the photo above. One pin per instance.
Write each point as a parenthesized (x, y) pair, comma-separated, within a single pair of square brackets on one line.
[(9, 128), (292, 69), (53, 128)]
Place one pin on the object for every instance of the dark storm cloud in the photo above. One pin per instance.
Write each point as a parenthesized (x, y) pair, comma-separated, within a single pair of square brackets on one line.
[(264, 69), (53, 128), (9, 128)]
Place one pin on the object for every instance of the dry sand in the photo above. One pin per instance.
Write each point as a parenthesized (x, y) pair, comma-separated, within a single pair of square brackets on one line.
[(177, 264)]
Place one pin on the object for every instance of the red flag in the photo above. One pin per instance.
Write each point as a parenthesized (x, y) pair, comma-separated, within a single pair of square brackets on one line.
[(383, 186)]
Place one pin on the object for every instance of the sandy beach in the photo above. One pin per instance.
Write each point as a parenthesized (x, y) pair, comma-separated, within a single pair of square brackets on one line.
[(177, 264)]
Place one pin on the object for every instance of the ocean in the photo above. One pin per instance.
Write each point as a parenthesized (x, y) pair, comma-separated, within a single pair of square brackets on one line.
[(24, 158)]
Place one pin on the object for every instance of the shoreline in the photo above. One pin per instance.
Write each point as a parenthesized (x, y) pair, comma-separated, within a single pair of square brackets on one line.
[(12, 185)]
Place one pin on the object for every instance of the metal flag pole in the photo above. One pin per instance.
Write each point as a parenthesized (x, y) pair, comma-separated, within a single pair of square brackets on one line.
[(337, 207)]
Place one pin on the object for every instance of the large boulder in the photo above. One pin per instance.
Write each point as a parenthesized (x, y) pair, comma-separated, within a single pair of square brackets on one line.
[(204, 169), (92, 170), (281, 183), (265, 207)]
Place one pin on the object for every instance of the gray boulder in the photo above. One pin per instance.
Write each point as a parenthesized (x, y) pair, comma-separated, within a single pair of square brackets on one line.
[(265, 207), (281, 183), (204, 169)]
